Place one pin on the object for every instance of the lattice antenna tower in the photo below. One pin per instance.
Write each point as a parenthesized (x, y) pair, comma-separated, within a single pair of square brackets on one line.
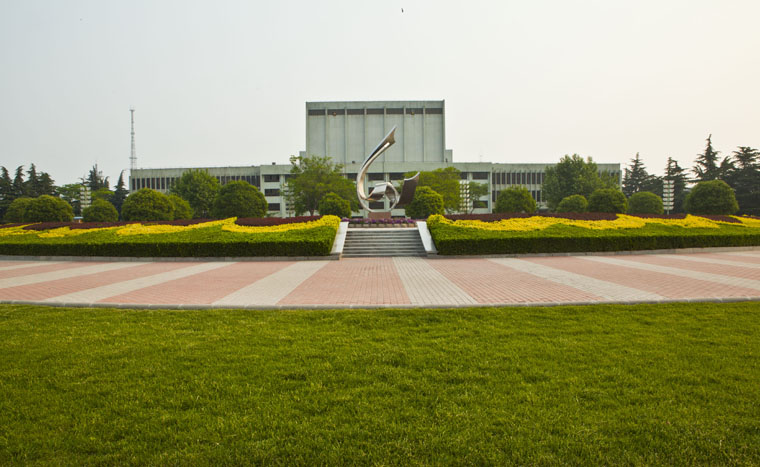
[(133, 154)]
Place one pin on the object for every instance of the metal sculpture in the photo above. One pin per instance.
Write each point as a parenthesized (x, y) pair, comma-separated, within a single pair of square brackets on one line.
[(384, 189)]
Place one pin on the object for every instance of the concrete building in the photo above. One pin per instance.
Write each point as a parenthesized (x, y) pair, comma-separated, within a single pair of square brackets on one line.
[(348, 131)]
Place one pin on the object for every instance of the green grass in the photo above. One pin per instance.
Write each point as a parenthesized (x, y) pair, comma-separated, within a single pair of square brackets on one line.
[(647, 384)]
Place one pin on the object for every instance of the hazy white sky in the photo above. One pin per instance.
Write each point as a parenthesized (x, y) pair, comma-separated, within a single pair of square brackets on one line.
[(225, 82)]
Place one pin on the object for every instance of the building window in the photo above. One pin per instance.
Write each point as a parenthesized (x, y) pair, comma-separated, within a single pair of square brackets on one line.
[(376, 177), (480, 175), (351, 176), (434, 111), (414, 111), (272, 192), (494, 195), (134, 184), (503, 178), (316, 111), (479, 204), (355, 111), (396, 176), (274, 206), (533, 178), (272, 178), (163, 183), (394, 111), (376, 205), (335, 112), (375, 111)]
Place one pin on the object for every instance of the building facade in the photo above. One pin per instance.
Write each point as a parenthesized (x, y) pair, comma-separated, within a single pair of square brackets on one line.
[(348, 131)]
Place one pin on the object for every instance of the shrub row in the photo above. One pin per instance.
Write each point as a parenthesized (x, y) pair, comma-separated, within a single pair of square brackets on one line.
[(578, 216)]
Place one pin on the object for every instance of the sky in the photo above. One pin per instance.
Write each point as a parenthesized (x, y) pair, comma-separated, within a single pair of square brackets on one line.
[(224, 83)]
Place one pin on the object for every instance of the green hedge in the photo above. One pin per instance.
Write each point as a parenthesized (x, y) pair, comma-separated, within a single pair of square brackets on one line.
[(451, 240), (211, 242)]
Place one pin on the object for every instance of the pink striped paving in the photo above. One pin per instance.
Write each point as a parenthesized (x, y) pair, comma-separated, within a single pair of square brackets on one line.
[(752, 259), (202, 288), (14, 263), (489, 282), (43, 268), (722, 269), (351, 281), (60, 287), (666, 285)]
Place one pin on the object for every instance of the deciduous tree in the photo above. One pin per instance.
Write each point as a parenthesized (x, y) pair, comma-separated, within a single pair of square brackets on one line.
[(573, 176), (199, 188), (311, 178), (239, 199), (445, 182)]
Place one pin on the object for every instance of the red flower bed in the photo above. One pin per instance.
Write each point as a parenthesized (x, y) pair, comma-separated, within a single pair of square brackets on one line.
[(4, 226), (265, 221)]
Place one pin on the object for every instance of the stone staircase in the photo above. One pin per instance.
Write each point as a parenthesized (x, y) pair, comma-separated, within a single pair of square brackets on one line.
[(366, 242)]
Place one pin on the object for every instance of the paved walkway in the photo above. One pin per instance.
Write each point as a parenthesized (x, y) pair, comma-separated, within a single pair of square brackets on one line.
[(386, 282)]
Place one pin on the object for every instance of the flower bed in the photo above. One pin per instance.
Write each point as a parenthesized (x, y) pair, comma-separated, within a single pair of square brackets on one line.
[(215, 238), (546, 234), (356, 222)]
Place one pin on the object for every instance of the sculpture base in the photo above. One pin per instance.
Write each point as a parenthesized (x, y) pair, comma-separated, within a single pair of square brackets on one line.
[(380, 215)]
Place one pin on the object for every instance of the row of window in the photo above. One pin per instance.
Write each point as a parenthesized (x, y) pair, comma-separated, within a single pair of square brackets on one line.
[(389, 111), (536, 194), (165, 183), (522, 178)]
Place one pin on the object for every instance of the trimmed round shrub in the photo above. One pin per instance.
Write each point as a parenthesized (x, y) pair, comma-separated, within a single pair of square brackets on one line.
[(239, 199), (100, 211), (573, 203), (607, 200), (332, 204), (48, 208), (17, 209), (645, 202), (147, 205), (713, 197), (182, 209), (515, 199), (425, 203)]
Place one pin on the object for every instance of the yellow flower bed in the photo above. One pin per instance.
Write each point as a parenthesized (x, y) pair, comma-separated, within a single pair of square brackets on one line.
[(10, 231), (67, 232), (622, 222), (748, 221), (324, 221), (140, 229)]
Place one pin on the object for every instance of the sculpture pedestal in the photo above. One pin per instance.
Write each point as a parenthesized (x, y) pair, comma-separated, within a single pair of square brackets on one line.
[(380, 215)]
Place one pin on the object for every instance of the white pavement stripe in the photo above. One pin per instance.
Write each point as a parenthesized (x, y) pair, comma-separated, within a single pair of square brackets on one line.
[(271, 289), (704, 276), (751, 254), (101, 293), (27, 265), (607, 290), (702, 259), (426, 286), (63, 274)]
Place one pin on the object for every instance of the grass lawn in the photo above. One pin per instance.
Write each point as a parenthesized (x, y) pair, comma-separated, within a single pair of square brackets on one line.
[(645, 384)]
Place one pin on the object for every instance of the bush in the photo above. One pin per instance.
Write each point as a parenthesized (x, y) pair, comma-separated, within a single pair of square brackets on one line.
[(100, 211), (48, 208), (645, 202), (607, 200), (574, 203), (425, 203), (17, 210), (182, 209), (515, 199), (239, 199), (147, 205), (332, 204), (713, 197)]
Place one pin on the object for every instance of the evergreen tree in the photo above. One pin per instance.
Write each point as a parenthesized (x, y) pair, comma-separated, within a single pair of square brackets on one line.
[(745, 179), (706, 167), (32, 183), (18, 182), (635, 178), (120, 194), (46, 184), (677, 174), (6, 191), (95, 179)]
